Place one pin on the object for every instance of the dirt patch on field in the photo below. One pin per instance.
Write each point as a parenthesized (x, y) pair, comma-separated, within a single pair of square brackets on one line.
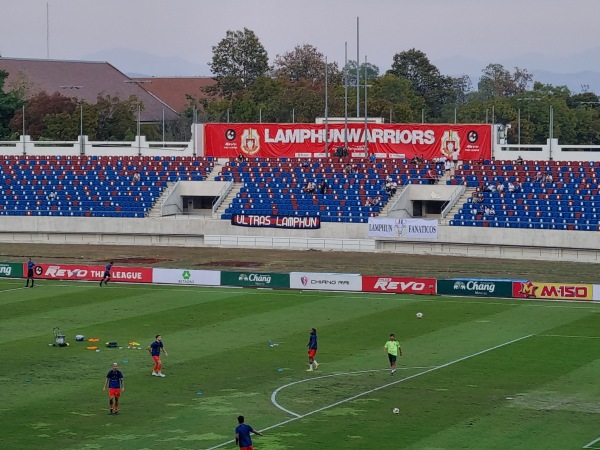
[(254, 264), (137, 260)]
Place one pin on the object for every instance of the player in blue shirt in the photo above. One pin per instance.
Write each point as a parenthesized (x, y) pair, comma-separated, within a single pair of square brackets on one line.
[(106, 277), (312, 350), (242, 435), (116, 385), (154, 350), (30, 267)]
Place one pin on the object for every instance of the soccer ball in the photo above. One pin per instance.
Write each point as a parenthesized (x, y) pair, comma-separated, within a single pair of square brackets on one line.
[(396, 410), (419, 315)]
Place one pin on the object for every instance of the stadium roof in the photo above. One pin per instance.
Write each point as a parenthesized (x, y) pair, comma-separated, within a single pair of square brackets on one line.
[(84, 80), (174, 90)]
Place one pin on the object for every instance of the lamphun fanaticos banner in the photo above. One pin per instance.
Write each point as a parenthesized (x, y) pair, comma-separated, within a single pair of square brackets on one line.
[(470, 142)]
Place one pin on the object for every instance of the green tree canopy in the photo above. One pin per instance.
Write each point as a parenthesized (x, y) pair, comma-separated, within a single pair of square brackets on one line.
[(238, 60)]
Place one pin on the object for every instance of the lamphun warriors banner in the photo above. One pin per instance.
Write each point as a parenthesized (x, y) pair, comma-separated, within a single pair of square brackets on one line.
[(257, 220), (388, 227), (462, 142)]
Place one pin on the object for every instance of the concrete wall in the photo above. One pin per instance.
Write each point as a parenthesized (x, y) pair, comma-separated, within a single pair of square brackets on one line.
[(200, 231)]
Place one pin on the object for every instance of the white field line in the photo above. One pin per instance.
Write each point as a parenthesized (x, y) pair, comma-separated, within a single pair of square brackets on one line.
[(14, 289), (297, 417), (568, 336), (590, 444)]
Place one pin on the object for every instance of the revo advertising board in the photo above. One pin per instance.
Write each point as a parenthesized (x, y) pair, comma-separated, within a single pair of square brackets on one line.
[(255, 279), (470, 141), (11, 270), (186, 276), (326, 281), (399, 285), (85, 273), (553, 291), (475, 288)]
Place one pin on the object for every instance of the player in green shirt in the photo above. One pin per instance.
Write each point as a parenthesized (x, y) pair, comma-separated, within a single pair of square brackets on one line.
[(392, 350)]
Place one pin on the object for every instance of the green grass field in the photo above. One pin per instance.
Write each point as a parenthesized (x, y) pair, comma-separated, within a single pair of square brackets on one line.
[(477, 373)]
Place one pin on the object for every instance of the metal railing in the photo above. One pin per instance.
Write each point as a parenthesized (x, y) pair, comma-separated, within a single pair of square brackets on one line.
[(221, 196), (452, 200)]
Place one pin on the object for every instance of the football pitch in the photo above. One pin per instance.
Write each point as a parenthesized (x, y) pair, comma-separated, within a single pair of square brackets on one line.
[(476, 373)]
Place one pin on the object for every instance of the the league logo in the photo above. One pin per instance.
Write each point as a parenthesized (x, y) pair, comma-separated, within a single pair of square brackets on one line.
[(304, 280)]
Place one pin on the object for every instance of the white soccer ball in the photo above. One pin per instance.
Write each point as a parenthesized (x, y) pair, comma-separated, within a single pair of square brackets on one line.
[(419, 315), (396, 410)]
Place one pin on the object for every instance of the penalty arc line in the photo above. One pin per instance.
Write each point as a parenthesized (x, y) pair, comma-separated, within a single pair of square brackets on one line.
[(464, 358)]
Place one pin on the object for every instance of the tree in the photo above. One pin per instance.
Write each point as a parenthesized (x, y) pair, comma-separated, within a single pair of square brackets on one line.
[(497, 81), (425, 79), (116, 118), (238, 60), (304, 63), (37, 109), (9, 102), (372, 72)]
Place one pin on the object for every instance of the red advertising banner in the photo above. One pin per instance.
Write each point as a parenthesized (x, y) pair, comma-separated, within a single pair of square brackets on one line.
[(306, 140), (399, 285), (259, 220), (92, 273), (552, 291)]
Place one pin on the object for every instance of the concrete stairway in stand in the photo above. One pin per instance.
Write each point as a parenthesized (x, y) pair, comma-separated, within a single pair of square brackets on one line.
[(155, 211)]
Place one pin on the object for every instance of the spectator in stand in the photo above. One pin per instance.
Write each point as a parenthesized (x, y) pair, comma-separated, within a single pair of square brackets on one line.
[(372, 158), (52, 196), (369, 201), (136, 177), (511, 186), (241, 157), (549, 178), (539, 177), (377, 201), (492, 211), (487, 210), (306, 163), (430, 176), (348, 169), (500, 187), (519, 161), (479, 197), (518, 187), (309, 187), (393, 188), (489, 188), (323, 187)]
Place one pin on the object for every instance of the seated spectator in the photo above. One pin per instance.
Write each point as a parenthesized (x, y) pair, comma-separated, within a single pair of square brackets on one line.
[(479, 197), (511, 186), (372, 158), (499, 187), (549, 178), (490, 187), (306, 163), (389, 179), (430, 176), (492, 211), (447, 165), (376, 201), (309, 188), (348, 169), (136, 177), (369, 201), (52, 196), (241, 158), (518, 187), (323, 187), (539, 177), (415, 160), (393, 187), (519, 161)]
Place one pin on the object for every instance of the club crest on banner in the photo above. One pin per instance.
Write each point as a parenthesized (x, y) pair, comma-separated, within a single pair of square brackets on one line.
[(450, 143), (250, 141), (400, 227)]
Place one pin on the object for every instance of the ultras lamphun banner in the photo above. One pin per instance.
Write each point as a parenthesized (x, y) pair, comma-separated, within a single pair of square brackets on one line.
[(471, 142)]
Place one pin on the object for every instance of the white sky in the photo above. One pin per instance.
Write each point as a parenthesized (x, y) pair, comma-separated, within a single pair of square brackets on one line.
[(485, 30)]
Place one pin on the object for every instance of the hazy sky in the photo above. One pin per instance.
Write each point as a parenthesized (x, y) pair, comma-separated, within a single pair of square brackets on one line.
[(446, 30)]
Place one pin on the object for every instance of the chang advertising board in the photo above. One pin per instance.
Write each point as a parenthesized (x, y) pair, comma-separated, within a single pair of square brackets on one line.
[(387, 227), (475, 287), (95, 273), (553, 291), (187, 277), (399, 285), (469, 141), (11, 270), (255, 279), (326, 281)]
